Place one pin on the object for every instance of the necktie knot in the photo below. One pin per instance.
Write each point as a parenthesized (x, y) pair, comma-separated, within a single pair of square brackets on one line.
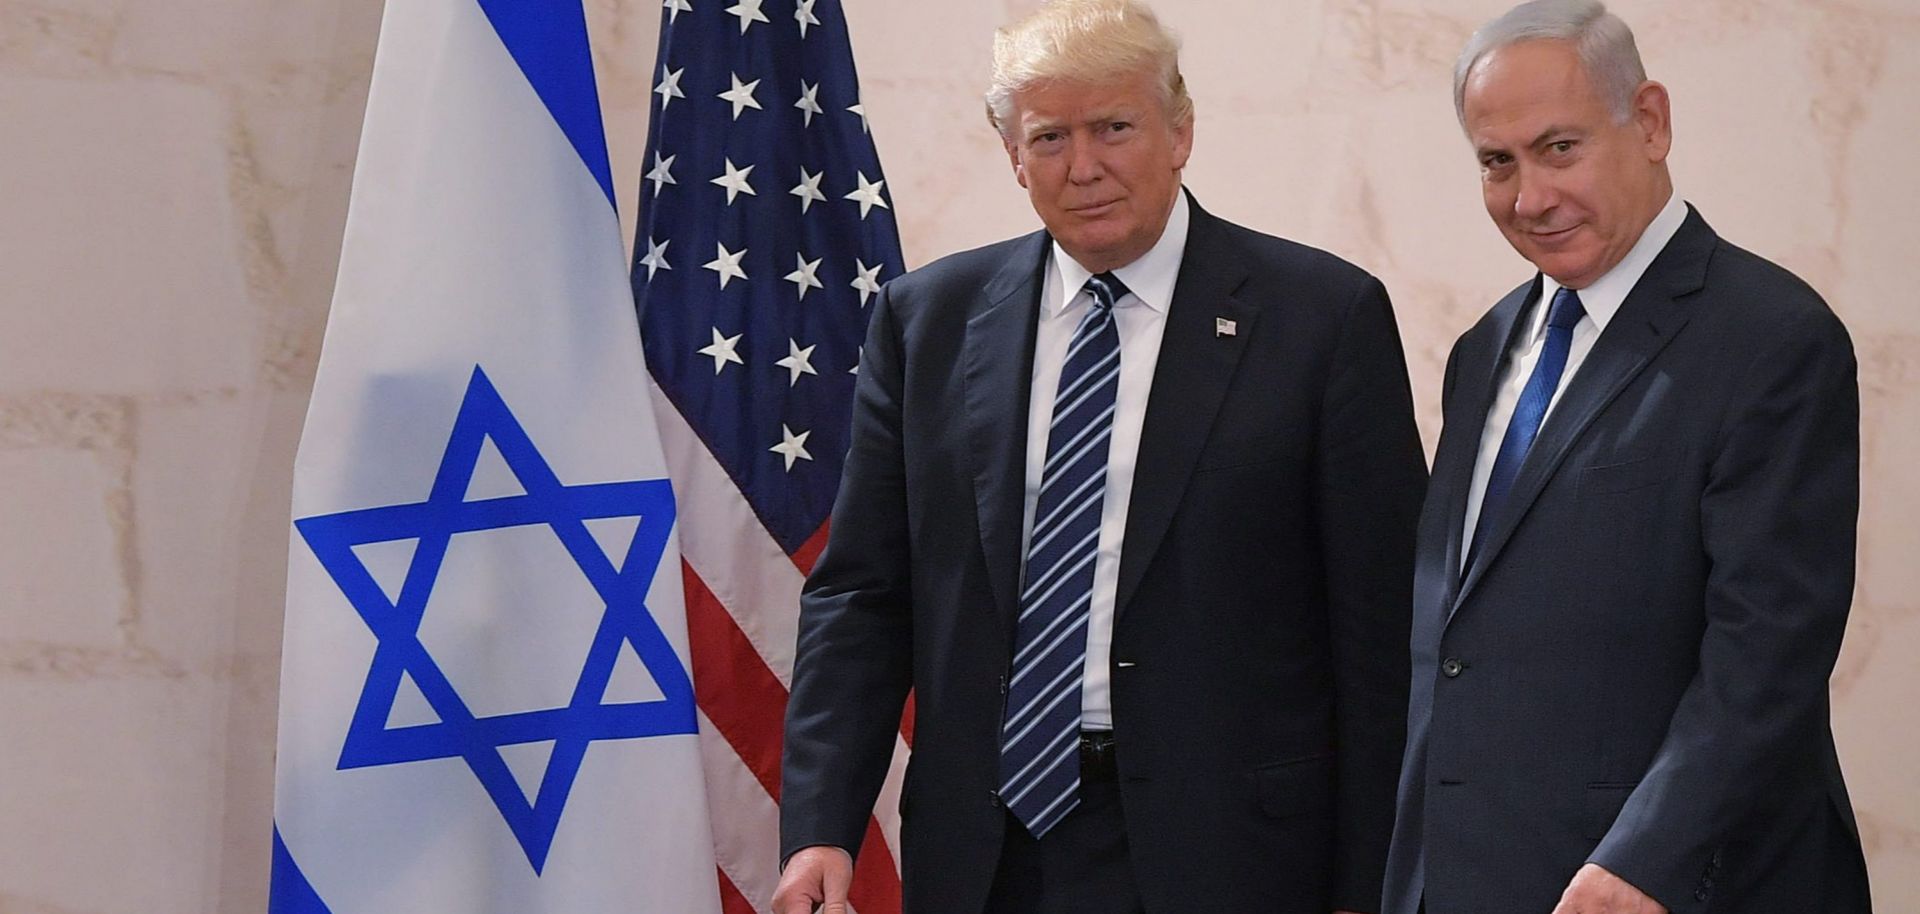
[(1567, 310), (1106, 289)]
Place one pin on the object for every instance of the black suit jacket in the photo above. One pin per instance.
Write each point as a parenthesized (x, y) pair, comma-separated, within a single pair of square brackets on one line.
[(1634, 671), (1259, 661)]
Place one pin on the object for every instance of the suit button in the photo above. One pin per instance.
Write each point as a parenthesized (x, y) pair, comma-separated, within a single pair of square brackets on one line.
[(993, 798), (1700, 895), (1451, 667)]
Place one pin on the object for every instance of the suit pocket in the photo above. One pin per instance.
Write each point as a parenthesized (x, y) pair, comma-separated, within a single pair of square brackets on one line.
[(1603, 801), (1296, 787), (1625, 477)]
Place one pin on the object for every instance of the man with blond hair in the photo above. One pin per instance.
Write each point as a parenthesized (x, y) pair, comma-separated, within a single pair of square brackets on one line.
[(1636, 558), (1130, 508)]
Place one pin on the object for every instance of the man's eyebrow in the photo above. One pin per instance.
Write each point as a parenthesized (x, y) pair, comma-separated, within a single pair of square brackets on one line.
[(1539, 140), (1113, 115), (1548, 134), (1035, 128)]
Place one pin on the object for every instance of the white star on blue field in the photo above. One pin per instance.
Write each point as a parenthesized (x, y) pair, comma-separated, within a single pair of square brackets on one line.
[(564, 509)]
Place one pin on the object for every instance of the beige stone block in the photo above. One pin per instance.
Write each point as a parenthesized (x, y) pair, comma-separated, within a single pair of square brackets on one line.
[(1271, 172), (625, 37), (1385, 184), (947, 175), (1368, 49), (62, 552), (188, 37), (210, 481), (1746, 153), (118, 241), (1890, 490), (56, 37), (1882, 197), (947, 172), (283, 151), (114, 796), (243, 760), (1414, 190), (276, 46), (292, 171), (916, 41), (1252, 69), (1880, 750)]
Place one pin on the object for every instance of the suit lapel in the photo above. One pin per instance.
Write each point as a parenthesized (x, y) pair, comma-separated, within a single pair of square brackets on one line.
[(997, 356), (1652, 315), (1195, 368), (1480, 369)]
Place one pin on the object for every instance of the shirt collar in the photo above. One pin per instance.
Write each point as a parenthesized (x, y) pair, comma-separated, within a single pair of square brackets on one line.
[(1150, 278), (1602, 299)]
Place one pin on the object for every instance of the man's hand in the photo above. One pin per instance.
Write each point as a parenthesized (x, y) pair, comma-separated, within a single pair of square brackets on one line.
[(816, 879), (1596, 891)]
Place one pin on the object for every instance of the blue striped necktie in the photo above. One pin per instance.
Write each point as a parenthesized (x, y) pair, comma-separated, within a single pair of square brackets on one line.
[(1040, 736), (1528, 413)]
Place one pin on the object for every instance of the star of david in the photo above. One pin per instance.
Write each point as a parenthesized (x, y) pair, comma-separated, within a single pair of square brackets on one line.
[(459, 733)]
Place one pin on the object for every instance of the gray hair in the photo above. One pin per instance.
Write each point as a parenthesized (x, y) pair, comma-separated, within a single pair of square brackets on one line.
[(1602, 40), (1088, 41)]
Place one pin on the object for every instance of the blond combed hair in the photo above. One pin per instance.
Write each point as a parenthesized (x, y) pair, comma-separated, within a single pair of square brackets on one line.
[(1098, 42)]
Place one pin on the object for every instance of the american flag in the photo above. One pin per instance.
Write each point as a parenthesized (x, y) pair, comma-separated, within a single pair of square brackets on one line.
[(765, 231)]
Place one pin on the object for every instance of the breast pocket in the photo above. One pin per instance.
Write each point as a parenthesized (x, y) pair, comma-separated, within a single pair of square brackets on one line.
[(1625, 476)]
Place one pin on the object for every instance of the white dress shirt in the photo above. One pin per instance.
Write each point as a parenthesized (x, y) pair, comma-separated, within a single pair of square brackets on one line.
[(1601, 300), (1141, 318)]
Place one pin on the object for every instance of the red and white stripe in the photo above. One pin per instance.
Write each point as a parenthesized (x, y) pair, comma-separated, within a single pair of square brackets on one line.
[(743, 603)]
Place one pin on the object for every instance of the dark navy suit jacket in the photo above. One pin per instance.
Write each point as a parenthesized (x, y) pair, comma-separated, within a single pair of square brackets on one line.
[(1259, 647), (1634, 671)]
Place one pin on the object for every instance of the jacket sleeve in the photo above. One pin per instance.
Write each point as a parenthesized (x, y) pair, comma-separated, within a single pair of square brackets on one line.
[(853, 661), (1778, 516), (1371, 480)]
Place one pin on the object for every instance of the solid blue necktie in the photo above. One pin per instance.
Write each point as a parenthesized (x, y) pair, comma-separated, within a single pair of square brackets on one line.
[(1040, 735), (1528, 412)]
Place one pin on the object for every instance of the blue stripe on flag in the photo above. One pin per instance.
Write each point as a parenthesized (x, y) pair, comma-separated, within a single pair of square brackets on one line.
[(291, 893), (548, 39)]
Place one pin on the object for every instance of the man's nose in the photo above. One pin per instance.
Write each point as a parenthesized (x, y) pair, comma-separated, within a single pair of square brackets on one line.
[(1537, 196), (1083, 162)]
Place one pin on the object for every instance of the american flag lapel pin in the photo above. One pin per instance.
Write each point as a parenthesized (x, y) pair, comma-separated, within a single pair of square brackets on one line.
[(1224, 327)]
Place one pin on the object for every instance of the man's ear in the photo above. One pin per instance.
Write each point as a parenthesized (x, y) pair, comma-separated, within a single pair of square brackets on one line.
[(1182, 144), (1013, 158), (1653, 117)]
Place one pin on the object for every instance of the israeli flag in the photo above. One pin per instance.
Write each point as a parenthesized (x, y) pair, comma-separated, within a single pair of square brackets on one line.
[(485, 698)]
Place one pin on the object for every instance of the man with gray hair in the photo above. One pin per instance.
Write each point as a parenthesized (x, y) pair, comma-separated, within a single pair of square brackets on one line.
[(1130, 508), (1636, 557)]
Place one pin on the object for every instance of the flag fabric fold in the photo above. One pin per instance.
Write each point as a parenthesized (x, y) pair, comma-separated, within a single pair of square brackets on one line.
[(486, 692)]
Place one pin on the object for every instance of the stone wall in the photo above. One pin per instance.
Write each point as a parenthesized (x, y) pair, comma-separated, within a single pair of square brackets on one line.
[(173, 186)]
